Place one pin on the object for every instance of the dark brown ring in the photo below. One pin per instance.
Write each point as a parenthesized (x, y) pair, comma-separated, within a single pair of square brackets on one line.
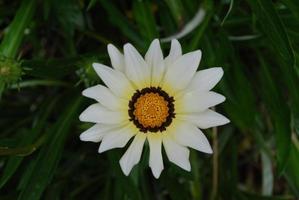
[(157, 90)]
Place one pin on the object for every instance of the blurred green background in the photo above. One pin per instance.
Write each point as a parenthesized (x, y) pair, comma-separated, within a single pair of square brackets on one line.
[(46, 51)]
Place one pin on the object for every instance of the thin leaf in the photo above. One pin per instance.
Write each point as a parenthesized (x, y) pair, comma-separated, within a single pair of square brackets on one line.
[(49, 156), (291, 171), (274, 29), (279, 113), (120, 21), (13, 163), (15, 34), (145, 20)]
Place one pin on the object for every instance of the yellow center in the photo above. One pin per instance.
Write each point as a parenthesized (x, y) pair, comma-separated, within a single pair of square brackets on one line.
[(151, 110)]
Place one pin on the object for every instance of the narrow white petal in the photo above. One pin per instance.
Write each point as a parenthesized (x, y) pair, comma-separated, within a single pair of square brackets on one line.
[(133, 154), (198, 101), (175, 52), (205, 80), (96, 132), (155, 159), (103, 95), (154, 59), (96, 113), (205, 119), (189, 135), (136, 68), (116, 57), (116, 138), (179, 75), (115, 80), (176, 153)]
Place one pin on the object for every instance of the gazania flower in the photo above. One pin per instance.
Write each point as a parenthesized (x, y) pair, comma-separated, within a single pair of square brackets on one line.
[(161, 101)]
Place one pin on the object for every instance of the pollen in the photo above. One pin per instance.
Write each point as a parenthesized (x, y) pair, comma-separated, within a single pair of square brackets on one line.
[(151, 110)]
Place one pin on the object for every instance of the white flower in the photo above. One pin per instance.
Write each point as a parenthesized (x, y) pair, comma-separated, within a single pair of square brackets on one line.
[(163, 101)]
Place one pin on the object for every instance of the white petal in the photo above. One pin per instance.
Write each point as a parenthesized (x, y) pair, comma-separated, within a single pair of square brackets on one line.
[(136, 68), (116, 138), (198, 101), (155, 159), (133, 154), (179, 75), (206, 119), (175, 52), (205, 80), (96, 132), (103, 95), (115, 80), (116, 57), (97, 113), (154, 59), (189, 135), (176, 153)]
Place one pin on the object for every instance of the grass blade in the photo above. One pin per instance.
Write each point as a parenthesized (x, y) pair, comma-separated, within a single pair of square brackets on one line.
[(274, 29), (14, 162), (15, 34), (49, 156)]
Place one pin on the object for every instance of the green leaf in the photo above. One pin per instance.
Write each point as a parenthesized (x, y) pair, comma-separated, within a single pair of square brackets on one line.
[(21, 151), (145, 20), (228, 170), (274, 29), (117, 19), (91, 4), (15, 34), (13, 163), (48, 68), (293, 6), (235, 84), (231, 4), (291, 171), (177, 9), (279, 113), (199, 32), (252, 196), (49, 156)]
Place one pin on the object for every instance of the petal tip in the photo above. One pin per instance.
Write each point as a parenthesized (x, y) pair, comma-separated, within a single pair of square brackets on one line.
[(127, 46), (157, 173), (198, 52), (101, 148), (95, 65), (110, 46), (83, 137), (175, 42), (188, 167), (209, 151), (223, 98), (220, 71), (225, 120), (85, 92), (82, 117), (155, 44), (123, 167)]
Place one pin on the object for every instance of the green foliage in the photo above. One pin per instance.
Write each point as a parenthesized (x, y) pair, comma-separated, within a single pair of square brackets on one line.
[(46, 51)]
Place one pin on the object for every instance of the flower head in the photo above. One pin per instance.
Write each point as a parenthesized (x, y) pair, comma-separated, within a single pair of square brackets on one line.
[(10, 70), (160, 100)]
